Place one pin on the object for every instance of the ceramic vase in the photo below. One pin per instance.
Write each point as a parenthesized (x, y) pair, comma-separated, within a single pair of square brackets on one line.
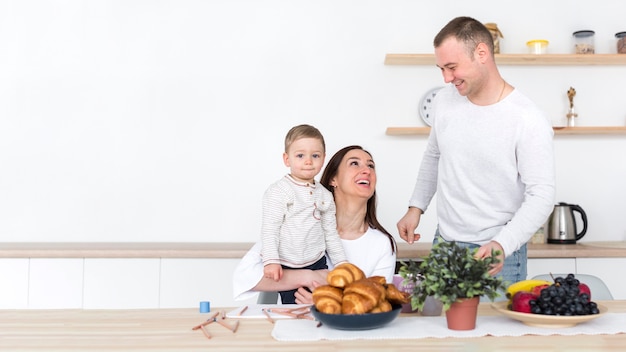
[(462, 314), (432, 307), (398, 281)]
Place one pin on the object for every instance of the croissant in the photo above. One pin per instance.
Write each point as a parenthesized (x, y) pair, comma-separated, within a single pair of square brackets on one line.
[(343, 274), (395, 296), (361, 296), (328, 299), (369, 289), (354, 303), (383, 306), (350, 292), (378, 279), (381, 285)]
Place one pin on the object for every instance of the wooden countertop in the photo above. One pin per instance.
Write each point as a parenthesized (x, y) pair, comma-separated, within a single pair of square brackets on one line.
[(170, 330), (124, 250), (238, 249)]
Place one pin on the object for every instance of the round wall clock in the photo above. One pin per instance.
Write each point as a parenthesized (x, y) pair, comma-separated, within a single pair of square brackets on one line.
[(426, 106)]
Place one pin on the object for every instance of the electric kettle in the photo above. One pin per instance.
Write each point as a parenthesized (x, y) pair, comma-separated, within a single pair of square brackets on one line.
[(561, 225)]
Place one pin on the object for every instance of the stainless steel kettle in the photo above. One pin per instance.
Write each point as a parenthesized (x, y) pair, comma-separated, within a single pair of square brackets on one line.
[(561, 225)]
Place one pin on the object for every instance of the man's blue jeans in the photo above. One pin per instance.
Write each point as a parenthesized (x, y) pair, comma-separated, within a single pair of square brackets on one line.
[(515, 266)]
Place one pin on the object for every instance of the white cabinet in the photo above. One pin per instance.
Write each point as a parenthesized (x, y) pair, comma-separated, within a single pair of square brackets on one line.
[(610, 270), (118, 283), (537, 266), (186, 282), (55, 283), (14, 283), (153, 280)]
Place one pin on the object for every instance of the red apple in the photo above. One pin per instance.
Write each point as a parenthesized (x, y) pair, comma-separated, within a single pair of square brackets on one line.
[(521, 301), (537, 289), (584, 289)]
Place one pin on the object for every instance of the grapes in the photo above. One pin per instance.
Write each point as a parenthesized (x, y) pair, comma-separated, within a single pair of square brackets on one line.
[(563, 297)]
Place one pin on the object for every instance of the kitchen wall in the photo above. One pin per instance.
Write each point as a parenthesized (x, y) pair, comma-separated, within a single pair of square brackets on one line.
[(148, 120)]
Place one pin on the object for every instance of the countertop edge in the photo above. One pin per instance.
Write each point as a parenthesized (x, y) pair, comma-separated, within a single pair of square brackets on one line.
[(220, 250)]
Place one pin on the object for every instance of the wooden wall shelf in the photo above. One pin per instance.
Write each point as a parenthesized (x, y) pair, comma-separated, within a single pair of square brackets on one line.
[(617, 130), (520, 59)]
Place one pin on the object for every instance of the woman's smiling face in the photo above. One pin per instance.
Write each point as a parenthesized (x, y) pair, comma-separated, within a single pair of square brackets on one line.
[(356, 175)]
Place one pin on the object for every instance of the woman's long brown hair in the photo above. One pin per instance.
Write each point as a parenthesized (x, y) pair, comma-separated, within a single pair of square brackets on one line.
[(370, 216)]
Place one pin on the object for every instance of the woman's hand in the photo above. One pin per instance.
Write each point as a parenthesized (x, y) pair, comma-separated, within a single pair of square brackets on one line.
[(316, 279), (304, 295)]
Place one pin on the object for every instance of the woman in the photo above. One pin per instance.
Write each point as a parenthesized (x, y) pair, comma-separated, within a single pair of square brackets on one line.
[(351, 176)]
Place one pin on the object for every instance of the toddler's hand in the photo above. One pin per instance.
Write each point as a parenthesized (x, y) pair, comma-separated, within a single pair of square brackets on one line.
[(273, 271)]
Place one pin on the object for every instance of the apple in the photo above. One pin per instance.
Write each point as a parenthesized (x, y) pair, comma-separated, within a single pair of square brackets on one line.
[(584, 289), (521, 301), (537, 289)]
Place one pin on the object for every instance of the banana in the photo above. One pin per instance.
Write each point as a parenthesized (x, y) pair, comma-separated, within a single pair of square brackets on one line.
[(524, 285)]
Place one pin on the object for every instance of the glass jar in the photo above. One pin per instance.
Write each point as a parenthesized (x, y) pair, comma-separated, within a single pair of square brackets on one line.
[(495, 35), (584, 42), (537, 46), (621, 42)]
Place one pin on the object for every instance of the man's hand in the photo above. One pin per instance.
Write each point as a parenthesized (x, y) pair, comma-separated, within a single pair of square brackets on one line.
[(485, 251), (408, 224), (273, 271)]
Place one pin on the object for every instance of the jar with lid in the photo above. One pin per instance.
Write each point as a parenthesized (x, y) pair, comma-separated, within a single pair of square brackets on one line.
[(584, 42), (621, 42), (537, 46), (495, 35)]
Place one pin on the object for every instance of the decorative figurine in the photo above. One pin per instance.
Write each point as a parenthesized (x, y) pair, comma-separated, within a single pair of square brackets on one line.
[(496, 35), (571, 114)]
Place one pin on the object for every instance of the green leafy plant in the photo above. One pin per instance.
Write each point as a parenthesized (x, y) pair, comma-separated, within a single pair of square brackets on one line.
[(451, 272)]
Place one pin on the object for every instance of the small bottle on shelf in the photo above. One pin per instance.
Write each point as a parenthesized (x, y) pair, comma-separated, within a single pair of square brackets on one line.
[(571, 113)]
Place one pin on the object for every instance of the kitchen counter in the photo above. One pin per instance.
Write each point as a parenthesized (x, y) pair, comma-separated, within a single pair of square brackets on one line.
[(238, 249), (544, 250), (171, 330)]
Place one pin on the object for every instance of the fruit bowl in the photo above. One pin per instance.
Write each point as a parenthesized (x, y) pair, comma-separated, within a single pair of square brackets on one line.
[(547, 321), (357, 321)]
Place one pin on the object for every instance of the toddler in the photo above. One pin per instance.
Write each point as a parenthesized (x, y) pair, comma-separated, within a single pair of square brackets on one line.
[(299, 226)]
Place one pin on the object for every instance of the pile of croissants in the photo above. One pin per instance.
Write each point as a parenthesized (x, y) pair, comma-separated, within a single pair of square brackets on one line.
[(350, 292)]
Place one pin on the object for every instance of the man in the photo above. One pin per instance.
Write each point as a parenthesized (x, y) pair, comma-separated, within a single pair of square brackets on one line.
[(489, 155)]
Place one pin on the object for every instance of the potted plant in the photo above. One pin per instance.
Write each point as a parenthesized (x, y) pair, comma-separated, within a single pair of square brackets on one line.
[(451, 274)]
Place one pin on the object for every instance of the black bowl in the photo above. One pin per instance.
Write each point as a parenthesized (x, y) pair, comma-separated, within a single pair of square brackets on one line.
[(357, 321)]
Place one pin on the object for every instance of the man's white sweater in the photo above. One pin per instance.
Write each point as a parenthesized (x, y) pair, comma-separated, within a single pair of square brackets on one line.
[(492, 168)]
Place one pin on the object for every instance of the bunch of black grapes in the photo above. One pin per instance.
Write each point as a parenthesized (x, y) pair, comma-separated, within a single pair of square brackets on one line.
[(564, 298)]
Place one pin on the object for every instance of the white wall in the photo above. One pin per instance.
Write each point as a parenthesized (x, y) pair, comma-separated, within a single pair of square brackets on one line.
[(143, 120)]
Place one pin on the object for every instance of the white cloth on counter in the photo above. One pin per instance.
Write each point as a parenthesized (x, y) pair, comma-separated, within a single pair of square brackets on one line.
[(436, 327)]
